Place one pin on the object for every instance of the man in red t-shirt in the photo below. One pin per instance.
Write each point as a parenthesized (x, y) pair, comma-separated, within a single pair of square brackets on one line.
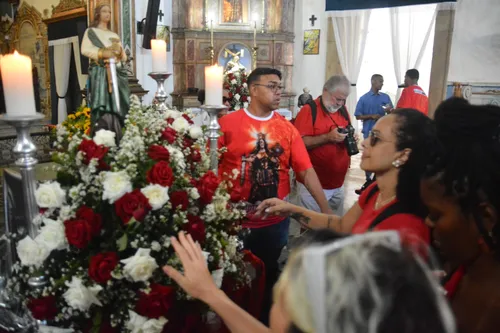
[(413, 96), (325, 144), (262, 146)]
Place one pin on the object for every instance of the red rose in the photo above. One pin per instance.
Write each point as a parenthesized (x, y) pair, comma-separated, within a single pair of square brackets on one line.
[(169, 134), (195, 156), (207, 186), (179, 198), (95, 220), (157, 303), (230, 95), (43, 308), (187, 142), (91, 150), (244, 98), (238, 90), (236, 194), (133, 204), (189, 120), (160, 174), (196, 228), (78, 232), (170, 121), (158, 153), (102, 265)]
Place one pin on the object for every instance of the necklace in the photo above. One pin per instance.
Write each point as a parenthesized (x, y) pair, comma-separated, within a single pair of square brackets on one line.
[(379, 203)]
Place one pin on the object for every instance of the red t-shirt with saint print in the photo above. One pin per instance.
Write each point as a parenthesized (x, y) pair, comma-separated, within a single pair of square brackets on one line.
[(262, 150)]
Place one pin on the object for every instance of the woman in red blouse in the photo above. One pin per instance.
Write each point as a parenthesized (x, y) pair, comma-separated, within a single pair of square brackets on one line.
[(397, 153), (462, 191)]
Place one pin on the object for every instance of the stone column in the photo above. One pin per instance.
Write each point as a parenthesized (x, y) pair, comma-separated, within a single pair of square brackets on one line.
[(440, 58), (332, 56)]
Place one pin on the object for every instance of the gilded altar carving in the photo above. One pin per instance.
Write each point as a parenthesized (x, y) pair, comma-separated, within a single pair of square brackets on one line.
[(67, 5), (30, 38)]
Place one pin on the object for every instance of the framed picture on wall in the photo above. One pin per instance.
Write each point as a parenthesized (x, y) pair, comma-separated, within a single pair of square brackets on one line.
[(311, 41)]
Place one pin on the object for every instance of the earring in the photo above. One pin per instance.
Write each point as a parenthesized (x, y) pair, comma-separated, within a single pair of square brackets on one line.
[(396, 164)]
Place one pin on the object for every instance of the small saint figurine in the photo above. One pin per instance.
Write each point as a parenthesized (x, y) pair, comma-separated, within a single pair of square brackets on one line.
[(305, 98), (234, 65), (101, 44)]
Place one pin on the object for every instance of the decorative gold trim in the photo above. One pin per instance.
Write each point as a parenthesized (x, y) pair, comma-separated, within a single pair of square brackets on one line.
[(28, 14), (67, 5), (67, 15)]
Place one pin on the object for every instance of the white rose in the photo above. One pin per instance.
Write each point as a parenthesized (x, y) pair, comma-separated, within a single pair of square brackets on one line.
[(218, 275), (195, 132), (116, 185), (180, 124), (193, 192), (237, 97), (31, 253), (50, 195), (141, 266), (245, 105), (105, 138), (52, 235), (155, 246), (245, 85), (157, 195), (140, 324), (173, 114), (233, 81), (80, 297)]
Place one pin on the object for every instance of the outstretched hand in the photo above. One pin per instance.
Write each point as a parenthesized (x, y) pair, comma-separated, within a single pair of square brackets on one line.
[(196, 280), (275, 206)]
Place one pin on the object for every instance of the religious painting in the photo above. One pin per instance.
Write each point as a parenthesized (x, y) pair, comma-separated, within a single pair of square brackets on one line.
[(234, 11), (311, 41), (235, 56), (163, 32)]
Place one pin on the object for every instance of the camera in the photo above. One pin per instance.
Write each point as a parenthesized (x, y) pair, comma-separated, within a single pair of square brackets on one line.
[(349, 141)]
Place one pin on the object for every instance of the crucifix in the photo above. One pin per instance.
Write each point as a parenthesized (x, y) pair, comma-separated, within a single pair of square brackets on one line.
[(160, 16), (313, 19)]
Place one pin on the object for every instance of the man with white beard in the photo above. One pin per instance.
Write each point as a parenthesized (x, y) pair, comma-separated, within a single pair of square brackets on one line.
[(320, 123)]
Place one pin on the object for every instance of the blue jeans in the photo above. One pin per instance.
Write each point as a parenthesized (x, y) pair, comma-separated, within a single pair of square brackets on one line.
[(267, 243)]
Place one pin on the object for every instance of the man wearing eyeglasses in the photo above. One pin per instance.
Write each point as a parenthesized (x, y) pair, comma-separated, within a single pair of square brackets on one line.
[(262, 146), (320, 124)]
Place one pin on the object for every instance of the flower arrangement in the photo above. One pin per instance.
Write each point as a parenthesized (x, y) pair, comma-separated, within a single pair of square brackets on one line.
[(106, 222), (78, 122), (236, 85)]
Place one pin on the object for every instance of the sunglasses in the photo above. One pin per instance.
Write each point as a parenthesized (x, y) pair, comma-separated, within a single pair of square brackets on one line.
[(374, 139)]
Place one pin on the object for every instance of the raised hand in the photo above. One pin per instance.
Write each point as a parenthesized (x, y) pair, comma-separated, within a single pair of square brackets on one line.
[(196, 280), (275, 206)]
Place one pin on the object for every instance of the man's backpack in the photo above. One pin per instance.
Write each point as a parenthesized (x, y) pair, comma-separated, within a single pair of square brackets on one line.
[(314, 112)]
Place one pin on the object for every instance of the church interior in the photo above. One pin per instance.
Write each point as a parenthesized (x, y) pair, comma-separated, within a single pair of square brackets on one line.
[(308, 41)]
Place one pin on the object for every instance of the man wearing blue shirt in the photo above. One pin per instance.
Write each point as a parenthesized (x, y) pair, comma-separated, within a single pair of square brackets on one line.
[(372, 106)]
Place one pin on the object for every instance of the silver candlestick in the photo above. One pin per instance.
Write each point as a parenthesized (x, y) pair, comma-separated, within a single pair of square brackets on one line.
[(213, 133), (161, 95)]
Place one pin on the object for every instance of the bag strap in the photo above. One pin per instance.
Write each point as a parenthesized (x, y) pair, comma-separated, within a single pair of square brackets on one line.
[(395, 208), (314, 111)]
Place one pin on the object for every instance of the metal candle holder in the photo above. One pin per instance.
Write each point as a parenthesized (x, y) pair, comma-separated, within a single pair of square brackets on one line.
[(213, 133), (161, 95)]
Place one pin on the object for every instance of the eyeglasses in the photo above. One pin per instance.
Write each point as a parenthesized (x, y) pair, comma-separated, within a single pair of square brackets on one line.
[(374, 139), (273, 87)]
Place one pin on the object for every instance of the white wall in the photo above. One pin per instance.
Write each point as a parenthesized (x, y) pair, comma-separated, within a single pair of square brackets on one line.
[(143, 56), (309, 70)]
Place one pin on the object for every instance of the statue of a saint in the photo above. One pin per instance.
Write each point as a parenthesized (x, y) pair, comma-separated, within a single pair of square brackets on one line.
[(234, 64), (305, 97), (101, 44)]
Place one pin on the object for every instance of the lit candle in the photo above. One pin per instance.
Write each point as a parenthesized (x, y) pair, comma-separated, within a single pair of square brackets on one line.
[(17, 80), (213, 85), (211, 33), (159, 49)]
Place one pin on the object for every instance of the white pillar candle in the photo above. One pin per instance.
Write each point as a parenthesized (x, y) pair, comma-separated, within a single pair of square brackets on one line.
[(159, 50), (213, 85), (17, 81)]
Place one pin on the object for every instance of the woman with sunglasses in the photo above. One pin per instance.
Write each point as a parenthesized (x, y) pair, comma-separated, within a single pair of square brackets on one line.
[(396, 151)]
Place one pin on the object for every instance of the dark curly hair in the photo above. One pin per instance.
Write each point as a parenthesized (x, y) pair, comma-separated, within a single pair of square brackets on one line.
[(417, 132), (468, 159), (260, 71)]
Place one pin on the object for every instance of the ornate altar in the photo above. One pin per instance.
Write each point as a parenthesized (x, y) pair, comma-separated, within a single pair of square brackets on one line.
[(234, 23)]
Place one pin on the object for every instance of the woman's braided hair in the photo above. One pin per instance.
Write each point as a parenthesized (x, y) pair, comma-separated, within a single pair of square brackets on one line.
[(468, 158)]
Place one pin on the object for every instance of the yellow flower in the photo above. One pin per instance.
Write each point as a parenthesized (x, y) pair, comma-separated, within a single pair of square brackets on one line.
[(78, 114), (87, 110), (71, 116)]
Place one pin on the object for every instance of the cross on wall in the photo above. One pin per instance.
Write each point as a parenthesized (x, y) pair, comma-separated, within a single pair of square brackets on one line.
[(313, 19), (160, 16)]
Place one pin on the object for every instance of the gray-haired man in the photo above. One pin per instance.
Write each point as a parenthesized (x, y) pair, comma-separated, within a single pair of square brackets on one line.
[(318, 123)]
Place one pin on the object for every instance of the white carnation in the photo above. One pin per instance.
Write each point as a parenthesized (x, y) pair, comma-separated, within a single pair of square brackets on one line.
[(116, 185), (237, 97), (233, 81), (173, 114), (105, 138), (157, 195), (218, 275), (52, 235), (141, 266), (180, 124), (80, 297), (31, 253), (140, 324), (155, 246), (50, 195), (245, 85), (245, 105), (194, 194), (195, 132)]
